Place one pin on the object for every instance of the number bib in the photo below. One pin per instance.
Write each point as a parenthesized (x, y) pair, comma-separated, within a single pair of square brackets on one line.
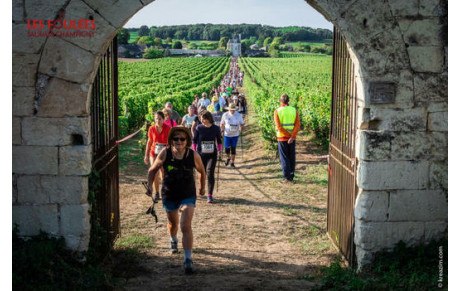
[(233, 128), (159, 147), (207, 147)]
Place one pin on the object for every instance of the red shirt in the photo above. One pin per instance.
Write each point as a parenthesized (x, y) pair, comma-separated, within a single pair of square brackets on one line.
[(170, 123), (156, 137)]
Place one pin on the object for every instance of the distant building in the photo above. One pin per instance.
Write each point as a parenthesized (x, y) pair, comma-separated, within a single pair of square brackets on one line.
[(234, 45), (254, 47)]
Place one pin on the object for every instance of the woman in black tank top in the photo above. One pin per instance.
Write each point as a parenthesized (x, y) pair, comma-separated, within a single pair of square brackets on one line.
[(178, 191)]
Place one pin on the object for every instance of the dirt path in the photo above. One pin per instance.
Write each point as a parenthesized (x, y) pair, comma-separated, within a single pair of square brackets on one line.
[(259, 235)]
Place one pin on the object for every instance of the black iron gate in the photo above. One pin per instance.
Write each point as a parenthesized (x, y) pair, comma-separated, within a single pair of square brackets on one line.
[(342, 162), (104, 130)]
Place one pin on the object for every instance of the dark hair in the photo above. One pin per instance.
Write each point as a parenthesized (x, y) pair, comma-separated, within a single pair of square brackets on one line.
[(160, 113), (208, 116), (284, 98)]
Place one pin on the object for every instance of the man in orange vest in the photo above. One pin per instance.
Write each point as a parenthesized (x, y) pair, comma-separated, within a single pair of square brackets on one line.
[(287, 123)]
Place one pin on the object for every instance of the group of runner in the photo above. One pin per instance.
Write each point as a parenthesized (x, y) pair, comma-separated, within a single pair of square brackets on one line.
[(176, 145)]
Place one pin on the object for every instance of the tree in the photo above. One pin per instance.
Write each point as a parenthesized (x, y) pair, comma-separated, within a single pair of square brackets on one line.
[(192, 46), (144, 30), (168, 40), (145, 40), (158, 41), (267, 42), (223, 42), (152, 53), (123, 36), (177, 45), (273, 52), (277, 41)]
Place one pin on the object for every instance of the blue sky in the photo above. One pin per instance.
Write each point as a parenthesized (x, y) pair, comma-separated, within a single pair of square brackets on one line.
[(267, 12)]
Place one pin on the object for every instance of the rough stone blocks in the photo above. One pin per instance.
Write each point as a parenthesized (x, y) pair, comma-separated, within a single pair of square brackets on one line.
[(384, 235), (33, 160), (437, 121), (23, 101), (75, 219), (116, 12), (75, 160), (67, 61), (439, 176), (33, 218), (372, 205), (64, 99), (429, 59), (417, 205), (53, 189), (54, 131), (25, 69), (17, 139), (393, 175)]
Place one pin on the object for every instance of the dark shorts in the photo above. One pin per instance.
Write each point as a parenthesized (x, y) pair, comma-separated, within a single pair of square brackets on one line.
[(173, 205), (231, 141)]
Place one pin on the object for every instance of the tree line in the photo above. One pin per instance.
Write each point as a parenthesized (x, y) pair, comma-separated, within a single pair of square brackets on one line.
[(214, 32)]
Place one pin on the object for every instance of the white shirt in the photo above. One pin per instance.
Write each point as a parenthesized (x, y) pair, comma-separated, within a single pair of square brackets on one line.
[(204, 102), (232, 123), (221, 103)]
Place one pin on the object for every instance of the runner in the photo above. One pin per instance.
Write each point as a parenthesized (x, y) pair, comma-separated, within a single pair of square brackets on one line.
[(231, 124), (168, 120), (195, 103), (241, 104), (174, 114), (188, 119), (217, 115), (204, 101), (197, 120), (157, 140), (178, 190), (210, 107), (207, 136)]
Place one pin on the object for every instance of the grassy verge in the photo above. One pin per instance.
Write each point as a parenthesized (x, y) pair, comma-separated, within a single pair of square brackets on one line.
[(404, 268), (44, 263)]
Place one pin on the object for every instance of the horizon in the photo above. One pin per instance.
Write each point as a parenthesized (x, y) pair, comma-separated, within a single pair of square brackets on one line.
[(264, 12), (188, 24)]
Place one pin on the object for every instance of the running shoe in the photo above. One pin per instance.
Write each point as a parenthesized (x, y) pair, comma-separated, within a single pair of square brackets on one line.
[(210, 200), (227, 162), (232, 165), (173, 247), (285, 181), (188, 266), (157, 197)]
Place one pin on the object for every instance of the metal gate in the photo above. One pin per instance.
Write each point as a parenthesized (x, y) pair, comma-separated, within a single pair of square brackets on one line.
[(342, 162), (104, 130)]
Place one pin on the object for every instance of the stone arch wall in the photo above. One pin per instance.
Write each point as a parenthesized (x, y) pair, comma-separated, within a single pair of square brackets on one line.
[(402, 152)]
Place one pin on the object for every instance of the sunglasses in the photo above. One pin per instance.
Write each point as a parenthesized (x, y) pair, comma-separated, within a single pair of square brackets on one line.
[(179, 139)]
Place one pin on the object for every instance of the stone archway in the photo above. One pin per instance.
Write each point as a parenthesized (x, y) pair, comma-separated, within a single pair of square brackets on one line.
[(402, 146)]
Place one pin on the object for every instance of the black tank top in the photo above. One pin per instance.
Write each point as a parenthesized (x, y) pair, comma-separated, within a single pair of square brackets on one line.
[(179, 181)]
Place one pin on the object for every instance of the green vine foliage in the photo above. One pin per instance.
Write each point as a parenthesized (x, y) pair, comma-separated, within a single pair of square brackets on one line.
[(306, 79), (98, 244)]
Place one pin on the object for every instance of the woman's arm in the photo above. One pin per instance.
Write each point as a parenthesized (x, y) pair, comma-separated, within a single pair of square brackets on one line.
[(155, 167), (148, 148)]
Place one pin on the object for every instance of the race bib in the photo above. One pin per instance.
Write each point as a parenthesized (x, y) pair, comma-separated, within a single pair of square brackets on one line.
[(233, 128), (159, 147), (207, 147)]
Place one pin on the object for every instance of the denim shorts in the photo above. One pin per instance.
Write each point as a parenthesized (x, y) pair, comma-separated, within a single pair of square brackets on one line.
[(173, 205)]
